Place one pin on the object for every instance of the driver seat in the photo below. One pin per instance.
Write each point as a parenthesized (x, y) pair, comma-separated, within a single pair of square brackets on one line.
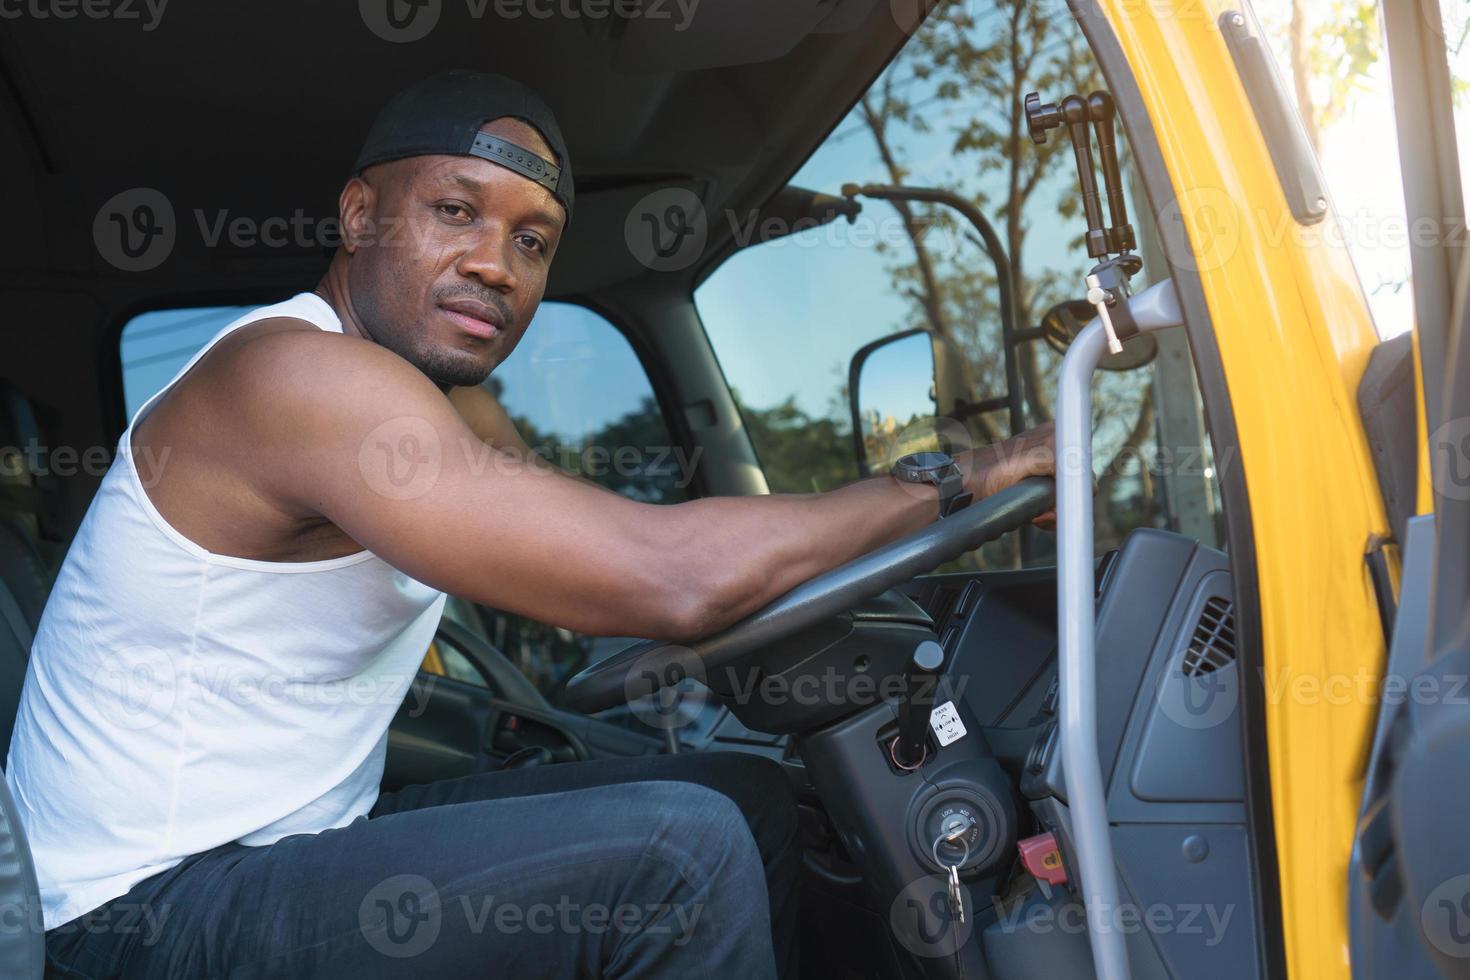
[(25, 581), (22, 939), (23, 943)]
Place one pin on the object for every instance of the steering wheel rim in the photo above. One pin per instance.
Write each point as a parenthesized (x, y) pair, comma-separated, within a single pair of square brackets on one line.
[(634, 670)]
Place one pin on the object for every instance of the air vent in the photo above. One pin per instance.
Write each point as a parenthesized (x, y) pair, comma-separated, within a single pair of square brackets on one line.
[(1213, 644)]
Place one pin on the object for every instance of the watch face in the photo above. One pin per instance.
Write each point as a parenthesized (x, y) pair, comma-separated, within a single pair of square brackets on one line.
[(927, 461)]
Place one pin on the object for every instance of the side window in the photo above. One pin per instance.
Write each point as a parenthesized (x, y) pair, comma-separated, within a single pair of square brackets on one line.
[(578, 395), (157, 344), (943, 115)]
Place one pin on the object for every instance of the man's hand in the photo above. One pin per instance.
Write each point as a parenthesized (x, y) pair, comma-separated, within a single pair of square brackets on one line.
[(992, 468)]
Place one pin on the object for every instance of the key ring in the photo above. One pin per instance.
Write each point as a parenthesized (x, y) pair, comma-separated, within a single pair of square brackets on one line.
[(955, 867)]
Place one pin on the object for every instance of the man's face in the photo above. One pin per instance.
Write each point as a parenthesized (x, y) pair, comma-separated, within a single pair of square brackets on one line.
[(449, 256)]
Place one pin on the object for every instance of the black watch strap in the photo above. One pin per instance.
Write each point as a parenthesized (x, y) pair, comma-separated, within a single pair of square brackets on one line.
[(952, 493)]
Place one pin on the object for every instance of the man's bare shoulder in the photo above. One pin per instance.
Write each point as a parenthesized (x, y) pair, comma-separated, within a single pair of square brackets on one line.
[(284, 365)]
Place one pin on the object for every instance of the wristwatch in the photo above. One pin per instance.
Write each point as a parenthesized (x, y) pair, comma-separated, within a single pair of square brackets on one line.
[(939, 470)]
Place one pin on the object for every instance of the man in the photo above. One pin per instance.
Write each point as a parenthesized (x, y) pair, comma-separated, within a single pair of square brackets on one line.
[(266, 563)]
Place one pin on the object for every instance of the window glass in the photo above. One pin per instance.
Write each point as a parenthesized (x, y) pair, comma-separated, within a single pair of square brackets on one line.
[(785, 317), (1330, 56), (156, 345), (580, 397)]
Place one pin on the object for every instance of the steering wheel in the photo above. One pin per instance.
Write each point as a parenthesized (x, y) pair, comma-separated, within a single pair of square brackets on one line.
[(627, 673)]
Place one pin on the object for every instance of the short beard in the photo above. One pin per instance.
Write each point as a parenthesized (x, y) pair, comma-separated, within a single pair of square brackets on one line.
[(448, 368)]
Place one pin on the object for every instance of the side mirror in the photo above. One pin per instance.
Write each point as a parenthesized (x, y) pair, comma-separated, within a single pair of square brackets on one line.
[(896, 388), (1061, 324)]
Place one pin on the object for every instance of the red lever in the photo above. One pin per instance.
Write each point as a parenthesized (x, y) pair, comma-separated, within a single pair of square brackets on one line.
[(1043, 858)]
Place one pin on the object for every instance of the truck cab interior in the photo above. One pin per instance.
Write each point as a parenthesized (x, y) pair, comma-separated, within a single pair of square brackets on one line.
[(747, 302)]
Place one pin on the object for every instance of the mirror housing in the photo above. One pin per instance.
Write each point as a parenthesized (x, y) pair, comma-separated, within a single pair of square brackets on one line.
[(1061, 324)]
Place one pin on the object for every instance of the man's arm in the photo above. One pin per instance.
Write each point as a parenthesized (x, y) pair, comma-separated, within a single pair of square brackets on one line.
[(347, 430), (492, 425), (488, 419)]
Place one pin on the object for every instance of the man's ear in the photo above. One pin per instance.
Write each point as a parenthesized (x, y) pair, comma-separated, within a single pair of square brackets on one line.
[(355, 207)]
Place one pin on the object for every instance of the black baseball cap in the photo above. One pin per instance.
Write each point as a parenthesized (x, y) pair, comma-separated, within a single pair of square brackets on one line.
[(443, 114)]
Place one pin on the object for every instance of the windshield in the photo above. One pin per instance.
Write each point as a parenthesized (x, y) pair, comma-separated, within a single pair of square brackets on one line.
[(786, 316)]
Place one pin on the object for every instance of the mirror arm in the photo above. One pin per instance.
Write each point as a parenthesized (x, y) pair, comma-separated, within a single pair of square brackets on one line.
[(964, 410), (1004, 283)]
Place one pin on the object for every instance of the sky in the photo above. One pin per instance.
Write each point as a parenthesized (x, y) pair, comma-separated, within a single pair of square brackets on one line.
[(1360, 161), (820, 295)]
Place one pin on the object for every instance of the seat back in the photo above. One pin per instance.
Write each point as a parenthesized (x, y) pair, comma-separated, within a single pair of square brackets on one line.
[(22, 938), (25, 582)]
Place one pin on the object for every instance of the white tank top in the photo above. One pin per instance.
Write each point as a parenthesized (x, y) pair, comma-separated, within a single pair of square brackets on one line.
[(177, 700)]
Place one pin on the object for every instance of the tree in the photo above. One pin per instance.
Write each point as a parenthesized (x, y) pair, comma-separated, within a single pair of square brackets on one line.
[(799, 453), (977, 61), (1331, 45)]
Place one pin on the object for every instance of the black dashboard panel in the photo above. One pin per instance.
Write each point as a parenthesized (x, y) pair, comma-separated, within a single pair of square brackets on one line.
[(999, 632)]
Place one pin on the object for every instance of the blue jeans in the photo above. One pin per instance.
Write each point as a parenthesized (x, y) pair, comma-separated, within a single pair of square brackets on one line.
[(674, 866)]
